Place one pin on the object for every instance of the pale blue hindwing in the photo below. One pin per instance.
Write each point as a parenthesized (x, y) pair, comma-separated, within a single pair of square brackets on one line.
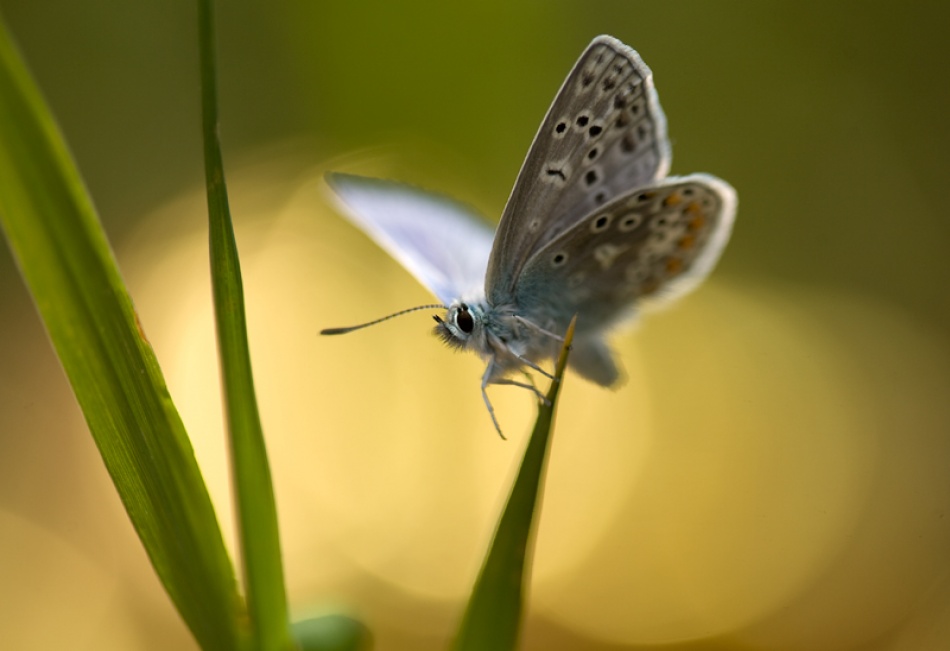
[(604, 134), (442, 242)]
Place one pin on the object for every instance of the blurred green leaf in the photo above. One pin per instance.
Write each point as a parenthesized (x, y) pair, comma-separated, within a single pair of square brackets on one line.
[(332, 633), (254, 492), (492, 619), (65, 259)]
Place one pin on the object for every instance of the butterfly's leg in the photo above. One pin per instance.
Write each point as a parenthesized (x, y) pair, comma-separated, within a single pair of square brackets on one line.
[(498, 343), (534, 326), (491, 410), (530, 379), (529, 387), (527, 362)]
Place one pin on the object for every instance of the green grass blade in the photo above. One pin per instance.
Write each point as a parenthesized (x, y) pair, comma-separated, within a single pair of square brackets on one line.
[(492, 618), (256, 510), (64, 257)]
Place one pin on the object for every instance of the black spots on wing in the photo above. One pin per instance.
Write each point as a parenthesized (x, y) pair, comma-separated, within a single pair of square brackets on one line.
[(595, 67), (636, 107), (630, 109), (590, 74), (584, 123), (631, 140), (628, 144), (630, 117), (611, 112), (556, 171), (600, 223), (591, 177), (629, 222)]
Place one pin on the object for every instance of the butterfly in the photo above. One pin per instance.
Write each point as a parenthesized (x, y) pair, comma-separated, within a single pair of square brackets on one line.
[(592, 226)]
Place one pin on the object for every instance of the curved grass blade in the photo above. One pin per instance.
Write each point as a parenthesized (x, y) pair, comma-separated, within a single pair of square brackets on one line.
[(64, 258), (256, 510), (492, 618)]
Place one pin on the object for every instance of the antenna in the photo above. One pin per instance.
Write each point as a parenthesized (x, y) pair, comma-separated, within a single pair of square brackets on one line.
[(343, 331)]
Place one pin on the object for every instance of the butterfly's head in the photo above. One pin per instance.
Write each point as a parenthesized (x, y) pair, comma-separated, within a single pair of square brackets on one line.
[(462, 326)]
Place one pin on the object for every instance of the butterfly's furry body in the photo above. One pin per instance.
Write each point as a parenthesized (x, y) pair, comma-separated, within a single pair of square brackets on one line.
[(508, 341)]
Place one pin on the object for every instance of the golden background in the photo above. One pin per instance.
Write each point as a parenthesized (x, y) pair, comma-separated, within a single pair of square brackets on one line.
[(774, 475)]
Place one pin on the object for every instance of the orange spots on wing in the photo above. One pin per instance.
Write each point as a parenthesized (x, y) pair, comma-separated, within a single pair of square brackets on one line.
[(686, 242), (673, 266), (695, 217), (673, 200)]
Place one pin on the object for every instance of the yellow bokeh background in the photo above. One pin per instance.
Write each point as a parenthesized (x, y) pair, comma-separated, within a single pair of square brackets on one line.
[(774, 473)]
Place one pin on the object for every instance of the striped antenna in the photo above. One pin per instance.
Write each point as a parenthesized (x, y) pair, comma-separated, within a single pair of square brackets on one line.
[(343, 331)]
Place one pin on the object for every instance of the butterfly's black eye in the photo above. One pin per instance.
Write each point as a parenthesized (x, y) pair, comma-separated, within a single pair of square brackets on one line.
[(464, 320)]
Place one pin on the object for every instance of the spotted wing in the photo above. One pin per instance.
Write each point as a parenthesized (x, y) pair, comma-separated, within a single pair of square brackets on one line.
[(659, 241), (604, 134)]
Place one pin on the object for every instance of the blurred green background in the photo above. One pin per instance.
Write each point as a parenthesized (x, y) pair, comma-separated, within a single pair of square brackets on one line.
[(774, 475)]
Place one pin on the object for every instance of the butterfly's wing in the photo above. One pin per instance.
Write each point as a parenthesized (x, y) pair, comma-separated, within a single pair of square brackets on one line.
[(441, 242), (604, 134), (656, 242)]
